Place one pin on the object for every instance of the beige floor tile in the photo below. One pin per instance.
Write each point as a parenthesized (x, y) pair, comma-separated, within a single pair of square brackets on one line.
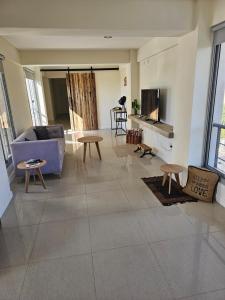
[(115, 230), (16, 245), (102, 186), (217, 295), (107, 202), (20, 213), (64, 208), (61, 239), (141, 197), (191, 265), (57, 279), (162, 223), (11, 280), (141, 250), (129, 273)]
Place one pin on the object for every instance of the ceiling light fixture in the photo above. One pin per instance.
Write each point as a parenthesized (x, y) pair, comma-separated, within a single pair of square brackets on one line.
[(107, 37)]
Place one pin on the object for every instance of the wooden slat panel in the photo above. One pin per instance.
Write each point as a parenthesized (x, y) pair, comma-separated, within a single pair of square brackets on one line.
[(82, 103)]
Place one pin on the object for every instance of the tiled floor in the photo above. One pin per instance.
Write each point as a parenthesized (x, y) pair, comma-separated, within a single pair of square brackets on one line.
[(99, 233)]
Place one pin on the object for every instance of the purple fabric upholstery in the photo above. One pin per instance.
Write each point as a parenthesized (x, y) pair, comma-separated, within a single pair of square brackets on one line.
[(51, 150)]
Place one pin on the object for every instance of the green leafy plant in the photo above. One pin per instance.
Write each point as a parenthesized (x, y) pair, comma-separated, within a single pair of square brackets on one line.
[(136, 106)]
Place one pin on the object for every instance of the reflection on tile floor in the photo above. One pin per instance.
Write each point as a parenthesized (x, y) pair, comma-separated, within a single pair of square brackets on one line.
[(99, 233)]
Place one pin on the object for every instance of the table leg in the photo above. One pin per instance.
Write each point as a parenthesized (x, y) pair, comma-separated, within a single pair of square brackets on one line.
[(170, 180), (85, 149), (34, 177), (177, 179), (164, 179), (98, 149), (27, 180), (89, 149), (41, 177)]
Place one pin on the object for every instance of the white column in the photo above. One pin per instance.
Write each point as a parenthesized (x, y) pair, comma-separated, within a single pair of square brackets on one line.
[(5, 191)]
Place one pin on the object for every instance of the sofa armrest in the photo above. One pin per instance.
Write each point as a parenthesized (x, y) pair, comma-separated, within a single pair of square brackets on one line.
[(39, 149), (56, 131)]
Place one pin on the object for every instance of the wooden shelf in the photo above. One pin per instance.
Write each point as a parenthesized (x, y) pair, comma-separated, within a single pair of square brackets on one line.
[(162, 128)]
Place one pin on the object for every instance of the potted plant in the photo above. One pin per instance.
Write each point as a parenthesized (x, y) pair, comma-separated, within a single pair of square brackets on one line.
[(135, 106)]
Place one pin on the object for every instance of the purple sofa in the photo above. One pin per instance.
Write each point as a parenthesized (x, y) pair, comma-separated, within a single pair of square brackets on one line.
[(26, 146)]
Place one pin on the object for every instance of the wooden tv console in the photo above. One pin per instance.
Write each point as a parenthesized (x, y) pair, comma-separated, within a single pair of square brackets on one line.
[(161, 128)]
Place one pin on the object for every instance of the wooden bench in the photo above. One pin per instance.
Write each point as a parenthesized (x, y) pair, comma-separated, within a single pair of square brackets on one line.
[(145, 148)]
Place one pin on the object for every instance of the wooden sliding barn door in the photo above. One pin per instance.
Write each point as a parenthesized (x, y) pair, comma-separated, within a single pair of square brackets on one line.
[(82, 101)]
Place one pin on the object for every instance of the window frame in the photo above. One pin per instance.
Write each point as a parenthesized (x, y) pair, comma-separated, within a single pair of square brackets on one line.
[(30, 75), (219, 38), (8, 160)]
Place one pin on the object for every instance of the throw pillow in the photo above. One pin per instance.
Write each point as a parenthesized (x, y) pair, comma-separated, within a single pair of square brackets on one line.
[(41, 132), (53, 133), (201, 184)]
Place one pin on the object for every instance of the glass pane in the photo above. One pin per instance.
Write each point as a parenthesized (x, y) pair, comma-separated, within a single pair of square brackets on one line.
[(33, 101), (6, 135), (216, 157)]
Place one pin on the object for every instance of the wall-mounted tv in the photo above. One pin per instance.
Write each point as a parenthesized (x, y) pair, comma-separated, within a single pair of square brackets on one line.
[(150, 104)]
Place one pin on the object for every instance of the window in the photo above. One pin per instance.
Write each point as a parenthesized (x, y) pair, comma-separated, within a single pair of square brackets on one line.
[(7, 132), (215, 156), (33, 98)]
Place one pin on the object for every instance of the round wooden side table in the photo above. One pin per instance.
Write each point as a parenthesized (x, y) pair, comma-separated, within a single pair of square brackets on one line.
[(169, 170), (36, 168), (89, 140)]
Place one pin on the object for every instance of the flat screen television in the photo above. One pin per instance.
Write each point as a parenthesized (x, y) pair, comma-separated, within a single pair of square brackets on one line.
[(150, 104)]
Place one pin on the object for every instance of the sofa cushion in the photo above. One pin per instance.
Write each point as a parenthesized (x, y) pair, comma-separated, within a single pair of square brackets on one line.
[(53, 132), (41, 132), (30, 134)]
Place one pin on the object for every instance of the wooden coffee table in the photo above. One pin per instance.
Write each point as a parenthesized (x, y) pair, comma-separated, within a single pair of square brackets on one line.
[(89, 140), (169, 170), (36, 168)]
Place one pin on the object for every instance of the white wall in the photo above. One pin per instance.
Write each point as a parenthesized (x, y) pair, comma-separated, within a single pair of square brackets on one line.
[(186, 59), (201, 82), (125, 90), (74, 57), (218, 12), (153, 18), (108, 94), (5, 192), (15, 80), (193, 56), (158, 70), (160, 67)]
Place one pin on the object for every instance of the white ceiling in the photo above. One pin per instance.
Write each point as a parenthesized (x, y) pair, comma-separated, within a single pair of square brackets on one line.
[(27, 41), (82, 24)]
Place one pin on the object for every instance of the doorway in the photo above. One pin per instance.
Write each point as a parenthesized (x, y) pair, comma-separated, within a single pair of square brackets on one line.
[(60, 103)]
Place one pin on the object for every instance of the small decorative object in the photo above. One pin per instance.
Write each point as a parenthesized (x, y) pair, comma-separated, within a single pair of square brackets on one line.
[(201, 184), (135, 106), (125, 81), (145, 148), (134, 136), (122, 102)]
